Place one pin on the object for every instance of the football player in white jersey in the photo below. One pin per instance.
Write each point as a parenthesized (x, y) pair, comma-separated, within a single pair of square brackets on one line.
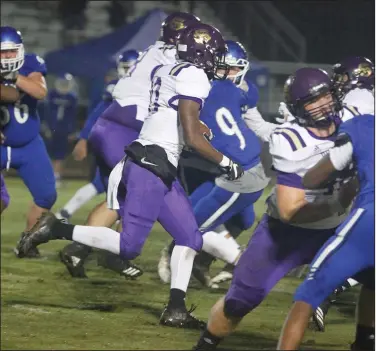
[(354, 79), (298, 221), (117, 127), (148, 172)]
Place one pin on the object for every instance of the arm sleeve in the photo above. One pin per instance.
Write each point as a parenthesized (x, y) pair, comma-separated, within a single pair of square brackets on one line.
[(255, 122), (93, 117)]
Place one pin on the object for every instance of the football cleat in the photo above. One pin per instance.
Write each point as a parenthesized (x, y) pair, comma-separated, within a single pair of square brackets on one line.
[(201, 273), (115, 263), (164, 270), (63, 216), (180, 318), (73, 256), (33, 253), (40, 233), (221, 277)]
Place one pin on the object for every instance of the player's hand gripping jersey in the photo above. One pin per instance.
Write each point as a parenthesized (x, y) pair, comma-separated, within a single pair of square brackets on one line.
[(132, 89), (294, 150), (21, 122), (169, 84)]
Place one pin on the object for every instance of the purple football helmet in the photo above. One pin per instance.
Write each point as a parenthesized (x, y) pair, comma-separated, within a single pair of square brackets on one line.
[(204, 46), (307, 86), (173, 25), (353, 72)]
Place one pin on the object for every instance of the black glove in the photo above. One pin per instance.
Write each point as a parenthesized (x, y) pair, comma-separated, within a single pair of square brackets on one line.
[(9, 77), (233, 170)]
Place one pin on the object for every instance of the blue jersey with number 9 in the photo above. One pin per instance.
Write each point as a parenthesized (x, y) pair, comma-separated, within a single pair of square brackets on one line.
[(22, 120), (222, 113)]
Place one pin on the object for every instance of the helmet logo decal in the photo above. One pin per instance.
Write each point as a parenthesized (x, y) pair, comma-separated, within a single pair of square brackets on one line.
[(177, 23), (201, 36), (364, 70)]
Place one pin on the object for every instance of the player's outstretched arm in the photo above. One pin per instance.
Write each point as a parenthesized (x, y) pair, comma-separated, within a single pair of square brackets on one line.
[(9, 94), (338, 158), (34, 84)]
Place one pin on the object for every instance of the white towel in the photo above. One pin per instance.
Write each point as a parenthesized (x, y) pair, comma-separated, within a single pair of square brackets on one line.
[(113, 184)]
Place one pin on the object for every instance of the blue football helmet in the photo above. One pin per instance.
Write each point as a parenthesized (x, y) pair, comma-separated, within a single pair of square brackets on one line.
[(65, 83), (12, 50), (237, 56), (126, 60)]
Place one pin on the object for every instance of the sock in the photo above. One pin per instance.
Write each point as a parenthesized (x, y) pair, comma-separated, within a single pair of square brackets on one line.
[(80, 198), (99, 237), (181, 267), (365, 337), (62, 230), (177, 298), (208, 341), (226, 249)]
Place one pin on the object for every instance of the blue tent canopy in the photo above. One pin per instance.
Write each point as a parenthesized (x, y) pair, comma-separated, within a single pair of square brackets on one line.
[(92, 59)]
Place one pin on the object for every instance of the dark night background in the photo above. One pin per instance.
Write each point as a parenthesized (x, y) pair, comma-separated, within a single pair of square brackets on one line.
[(333, 29)]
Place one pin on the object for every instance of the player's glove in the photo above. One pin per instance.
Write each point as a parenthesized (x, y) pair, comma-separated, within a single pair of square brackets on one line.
[(233, 170), (285, 113), (9, 77)]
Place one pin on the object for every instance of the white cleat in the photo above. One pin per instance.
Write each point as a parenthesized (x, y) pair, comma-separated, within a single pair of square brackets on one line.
[(221, 277), (164, 270)]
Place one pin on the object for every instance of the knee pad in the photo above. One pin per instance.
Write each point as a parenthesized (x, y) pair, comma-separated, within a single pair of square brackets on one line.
[(239, 302), (46, 200)]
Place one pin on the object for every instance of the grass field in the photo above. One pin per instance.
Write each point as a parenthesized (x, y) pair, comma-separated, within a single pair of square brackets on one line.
[(43, 308)]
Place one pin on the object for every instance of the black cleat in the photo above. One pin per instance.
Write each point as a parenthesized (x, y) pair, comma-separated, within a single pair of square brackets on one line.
[(40, 233), (115, 263), (201, 273), (73, 256), (180, 318), (33, 253), (318, 317)]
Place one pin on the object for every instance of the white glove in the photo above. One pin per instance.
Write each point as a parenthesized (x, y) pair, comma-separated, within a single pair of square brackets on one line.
[(285, 113)]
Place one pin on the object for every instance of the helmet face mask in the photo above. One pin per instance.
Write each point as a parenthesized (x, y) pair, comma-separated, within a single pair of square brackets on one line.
[(237, 59), (12, 50), (310, 97)]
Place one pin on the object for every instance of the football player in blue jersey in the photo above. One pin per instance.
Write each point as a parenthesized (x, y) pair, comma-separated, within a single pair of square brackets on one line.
[(352, 249), (96, 186), (23, 148), (60, 115), (8, 94), (217, 200)]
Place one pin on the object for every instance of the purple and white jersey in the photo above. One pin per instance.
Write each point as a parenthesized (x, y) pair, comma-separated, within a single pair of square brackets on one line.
[(295, 150), (134, 88), (358, 102), (169, 84)]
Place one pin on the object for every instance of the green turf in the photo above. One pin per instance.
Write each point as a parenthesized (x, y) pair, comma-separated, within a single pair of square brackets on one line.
[(42, 307)]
